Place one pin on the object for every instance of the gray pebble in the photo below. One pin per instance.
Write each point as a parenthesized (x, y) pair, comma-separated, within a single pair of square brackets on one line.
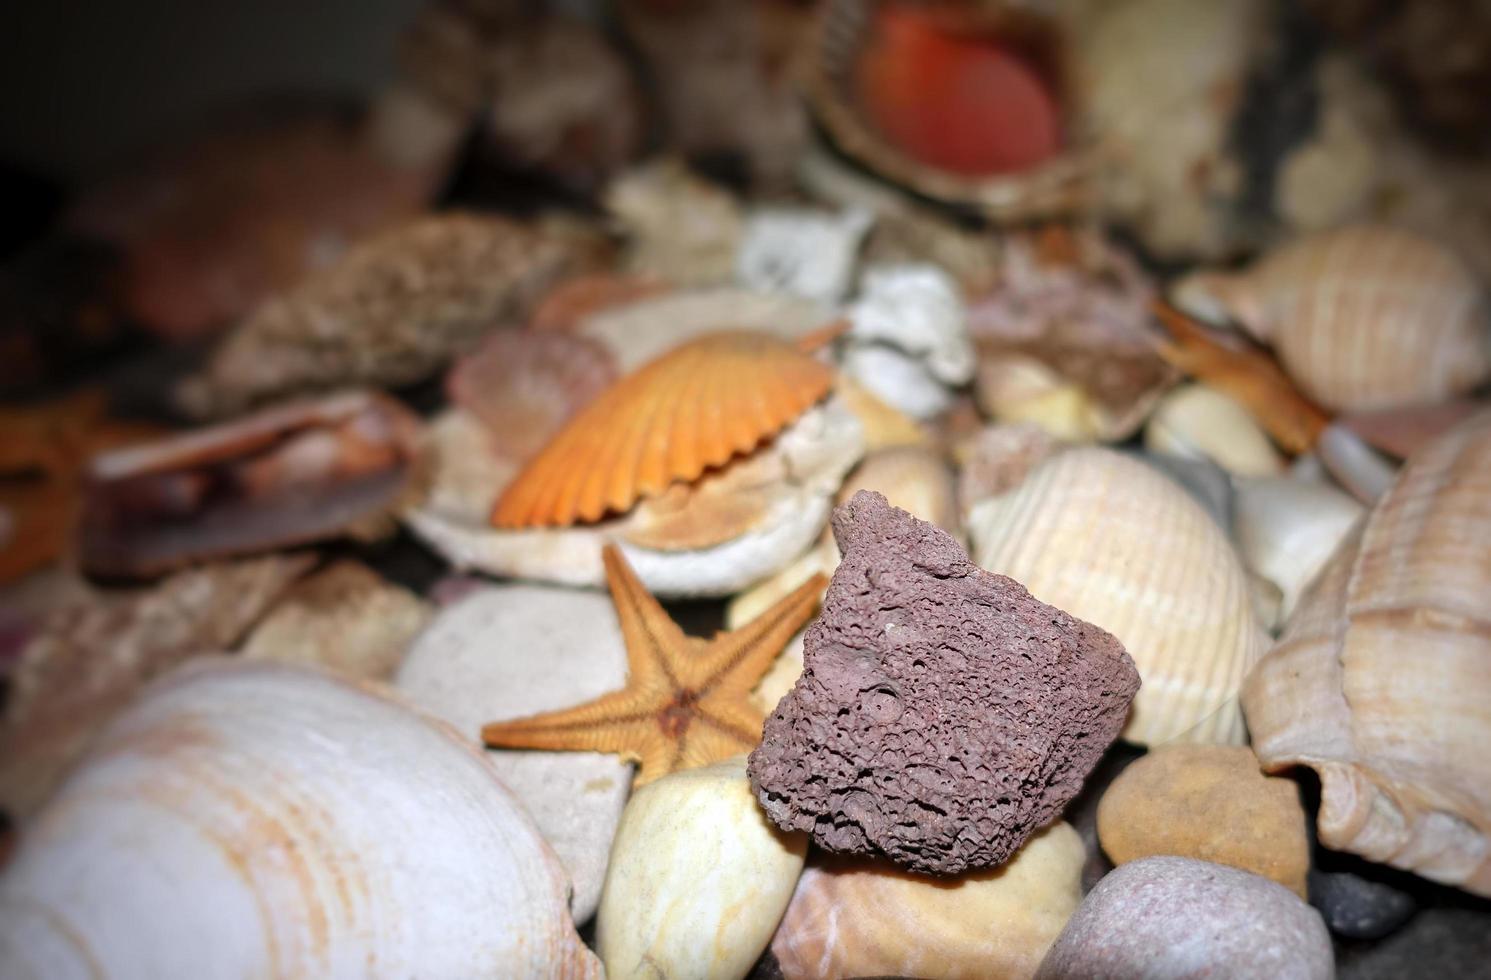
[(1172, 918), (1359, 908)]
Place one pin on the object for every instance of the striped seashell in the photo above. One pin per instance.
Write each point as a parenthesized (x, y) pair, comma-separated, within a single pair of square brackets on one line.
[(692, 408), (261, 820), (1382, 677), (1113, 541), (1361, 317), (850, 66)]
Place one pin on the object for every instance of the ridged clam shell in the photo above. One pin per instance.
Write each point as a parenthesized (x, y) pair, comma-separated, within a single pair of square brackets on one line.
[(691, 409), (1113, 541), (1382, 678), (1362, 317), (263, 820), (1054, 186)]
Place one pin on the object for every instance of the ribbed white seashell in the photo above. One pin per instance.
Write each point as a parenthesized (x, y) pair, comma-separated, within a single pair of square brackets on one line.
[(872, 919), (803, 467), (1202, 423), (1382, 679), (1113, 541), (699, 878), (805, 253), (1361, 317), (258, 820), (1287, 529)]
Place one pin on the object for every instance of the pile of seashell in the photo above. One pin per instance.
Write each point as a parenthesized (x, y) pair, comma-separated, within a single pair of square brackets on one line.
[(328, 684)]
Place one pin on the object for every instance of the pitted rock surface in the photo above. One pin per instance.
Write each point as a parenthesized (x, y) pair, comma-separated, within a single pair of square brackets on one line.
[(943, 714)]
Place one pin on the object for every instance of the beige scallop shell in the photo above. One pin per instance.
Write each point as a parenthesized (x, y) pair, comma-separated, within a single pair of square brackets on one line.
[(860, 919), (1381, 682), (1363, 317), (257, 819), (1113, 541)]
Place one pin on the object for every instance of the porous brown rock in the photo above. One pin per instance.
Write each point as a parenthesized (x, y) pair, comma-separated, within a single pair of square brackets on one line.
[(943, 714)]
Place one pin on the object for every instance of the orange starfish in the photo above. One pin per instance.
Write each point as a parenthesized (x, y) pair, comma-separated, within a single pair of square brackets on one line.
[(687, 700)]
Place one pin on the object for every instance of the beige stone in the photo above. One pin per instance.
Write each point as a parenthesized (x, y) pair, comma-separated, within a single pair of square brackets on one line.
[(1210, 802)]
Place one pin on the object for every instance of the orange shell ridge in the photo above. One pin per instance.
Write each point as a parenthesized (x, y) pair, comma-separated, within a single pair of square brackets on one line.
[(692, 408)]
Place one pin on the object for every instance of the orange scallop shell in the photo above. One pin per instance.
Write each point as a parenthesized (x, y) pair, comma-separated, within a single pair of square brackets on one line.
[(692, 408)]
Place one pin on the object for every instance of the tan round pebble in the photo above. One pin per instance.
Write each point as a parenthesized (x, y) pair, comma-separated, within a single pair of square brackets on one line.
[(1210, 802)]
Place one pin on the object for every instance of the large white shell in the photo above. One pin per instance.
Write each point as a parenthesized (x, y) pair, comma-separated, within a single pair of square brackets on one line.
[(1381, 682), (1113, 541), (509, 651), (261, 820), (1361, 317), (866, 919), (805, 253), (802, 468), (699, 878)]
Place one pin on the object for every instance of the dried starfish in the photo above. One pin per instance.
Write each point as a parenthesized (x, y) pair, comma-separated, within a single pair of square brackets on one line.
[(687, 700), (1247, 373)]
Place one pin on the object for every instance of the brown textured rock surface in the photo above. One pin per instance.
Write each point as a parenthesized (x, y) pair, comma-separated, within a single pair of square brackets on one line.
[(1209, 802), (943, 714)]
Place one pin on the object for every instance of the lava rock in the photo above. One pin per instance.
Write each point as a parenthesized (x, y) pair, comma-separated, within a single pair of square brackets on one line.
[(1177, 917), (943, 714), (1357, 906)]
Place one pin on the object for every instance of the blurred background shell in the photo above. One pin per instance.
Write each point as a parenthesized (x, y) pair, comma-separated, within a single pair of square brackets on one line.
[(209, 836), (1362, 317), (1382, 679), (875, 69), (1113, 541)]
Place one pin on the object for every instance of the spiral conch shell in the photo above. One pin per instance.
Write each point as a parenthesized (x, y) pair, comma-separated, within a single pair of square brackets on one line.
[(692, 408), (1361, 317), (1113, 541), (255, 820), (1382, 679)]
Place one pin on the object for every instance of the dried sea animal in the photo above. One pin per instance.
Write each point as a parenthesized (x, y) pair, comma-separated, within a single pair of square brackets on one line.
[(691, 409), (863, 919), (1399, 741), (1198, 422), (908, 91), (1362, 317), (698, 878), (209, 836), (86, 660), (390, 312), (1063, 338), (1229, 363), (525, 384), (1113, 541), (786, 492), (285, 476)]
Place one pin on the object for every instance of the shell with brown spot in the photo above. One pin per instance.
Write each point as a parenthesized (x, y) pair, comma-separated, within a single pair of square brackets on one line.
[(207, 827)]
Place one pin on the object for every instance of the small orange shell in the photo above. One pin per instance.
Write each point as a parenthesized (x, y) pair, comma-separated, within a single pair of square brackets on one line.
[(693, 408)]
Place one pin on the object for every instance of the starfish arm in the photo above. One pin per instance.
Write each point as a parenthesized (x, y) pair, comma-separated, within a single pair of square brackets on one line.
[(619, 722), (649, 633), (739, 659)]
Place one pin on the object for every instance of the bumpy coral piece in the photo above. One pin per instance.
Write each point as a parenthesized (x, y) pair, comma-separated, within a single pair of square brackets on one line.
[(943, 714)]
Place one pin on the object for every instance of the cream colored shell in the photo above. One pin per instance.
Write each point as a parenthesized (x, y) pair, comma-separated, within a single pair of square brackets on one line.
[(1113, 541), (872, 919), (262, 820), (699, 878), (1362, 317), (1381, 682), (1199, 422)]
